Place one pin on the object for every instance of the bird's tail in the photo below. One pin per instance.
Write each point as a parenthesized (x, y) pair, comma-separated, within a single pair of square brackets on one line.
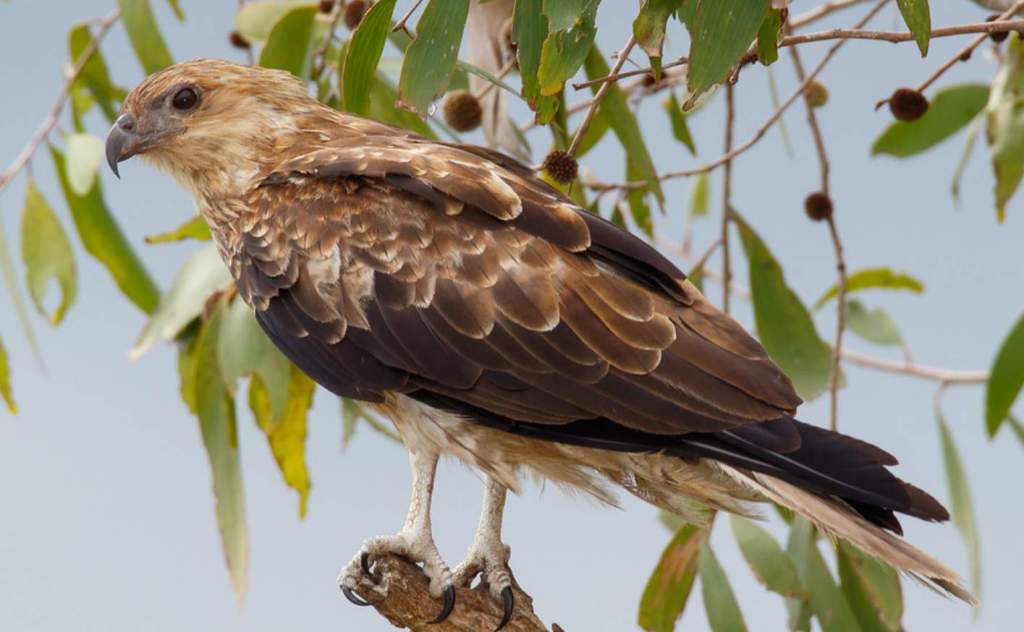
[(835, 518)]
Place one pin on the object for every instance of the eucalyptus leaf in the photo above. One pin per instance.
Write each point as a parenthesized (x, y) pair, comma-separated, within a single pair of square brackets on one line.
[(255, 20), (144, 35), (827, 602), (680, 130), (85, 154), (873, 325), (94, 76), (571, 36), (872, 279), (872, 589), (668, 589), (430, 59), (290, 43), (244, 350), (917, 15), (1005, 379), (1005, 124), (47, 254), (195, 228), (961, 505), (362, 55), (6, 392), (770, 564), (649, 28), (719, 601), (529, 30), (721, 31), (950, 110)]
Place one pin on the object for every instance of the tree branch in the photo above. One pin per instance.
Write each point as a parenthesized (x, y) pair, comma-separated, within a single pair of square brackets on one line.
[(596, 101), (53, 116), (723, 238), (401, 597)]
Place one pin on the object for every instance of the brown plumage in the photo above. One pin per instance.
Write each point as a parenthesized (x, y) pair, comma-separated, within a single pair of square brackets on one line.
[(493, 319)]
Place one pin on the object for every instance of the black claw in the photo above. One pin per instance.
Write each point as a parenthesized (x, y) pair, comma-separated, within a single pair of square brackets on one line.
[(351, 596), (508, 600), (449, 604), (364, 562)]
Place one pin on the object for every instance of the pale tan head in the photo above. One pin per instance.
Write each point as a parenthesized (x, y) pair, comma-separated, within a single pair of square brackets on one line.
[(208, 122)]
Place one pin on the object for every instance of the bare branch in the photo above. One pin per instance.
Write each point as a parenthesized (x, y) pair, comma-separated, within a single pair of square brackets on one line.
[(58, 106), (723, 238), (596, 101), (400, 25)]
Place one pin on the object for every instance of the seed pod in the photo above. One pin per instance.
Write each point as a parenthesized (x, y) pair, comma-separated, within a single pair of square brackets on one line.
[(908, 105), (561, 166), (462, 111), (238, 40), (354, 12), (997, 37), (816, 94), (326, 6), (818, 206)]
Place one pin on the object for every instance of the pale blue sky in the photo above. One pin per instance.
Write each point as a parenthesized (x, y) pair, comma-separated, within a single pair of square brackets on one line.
[(106, 516)]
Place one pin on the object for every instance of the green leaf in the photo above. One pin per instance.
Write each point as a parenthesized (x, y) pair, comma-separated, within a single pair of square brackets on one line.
[(85, 153), (965, 157), (767, 560), (699, 196), (1005, 118), (1006, 378), (637, 199), (872, 278), (5, 380), (195, 228), (918, 17), (1017, 427), (362, 56), (11, 281), (783, 323), (430, 59), (202, 274), (961, 507), (721, 33), (256, 20), (668, 589), (352, 412), (571, 33), (649, 28), (872, 589), (46, 251), (768, 37), (873, 325), (383, 108), (144, 34), (290, 43), (286, 432), (827, 602), (680, 130), (719, 601), (951, 109), (598, 128), (95, 77), (529, 30), (216, 411), (103, 239), (616, 109), (176, 7), (244, 350)]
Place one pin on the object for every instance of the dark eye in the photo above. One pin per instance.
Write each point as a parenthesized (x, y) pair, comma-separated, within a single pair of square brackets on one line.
[(185, 99)]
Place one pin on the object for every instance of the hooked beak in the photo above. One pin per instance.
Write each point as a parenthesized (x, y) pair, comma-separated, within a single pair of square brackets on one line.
[(122, 141)]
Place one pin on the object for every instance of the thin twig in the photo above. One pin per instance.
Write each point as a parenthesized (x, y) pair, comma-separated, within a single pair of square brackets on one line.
[(730, 124), (819, 12), (400, 25), (58, 105), (320, 54), (502, 73), (596, 101), (761, 131)]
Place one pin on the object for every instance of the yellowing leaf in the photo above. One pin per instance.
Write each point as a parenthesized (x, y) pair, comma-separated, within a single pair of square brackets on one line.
[(529, 30), (430, 59), (46, 251), (195, 228), (649, 28), (85, 153), (668, 589), (363, 54), (570, 36), (873, 278), (5, 380), (144, 34), (1006, 378), (243, 349), (719, 601), (255, 20)]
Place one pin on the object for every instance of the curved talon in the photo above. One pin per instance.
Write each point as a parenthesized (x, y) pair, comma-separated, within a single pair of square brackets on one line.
[(364, 563), (352, 597), (508, 600), (449, 604)]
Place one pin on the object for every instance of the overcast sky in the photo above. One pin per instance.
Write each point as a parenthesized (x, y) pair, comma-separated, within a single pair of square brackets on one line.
[(106, 515)]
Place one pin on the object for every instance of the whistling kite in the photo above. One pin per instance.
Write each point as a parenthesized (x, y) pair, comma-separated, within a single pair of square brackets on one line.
[(493, 320)]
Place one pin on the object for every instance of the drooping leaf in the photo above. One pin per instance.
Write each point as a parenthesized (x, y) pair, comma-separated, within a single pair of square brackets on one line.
[(721, 33), (176, 8), (961, 506), (1006, 378), (202, 274), (767, 560), (719, 601), (680, 130), (1017, 427), (290, 43), (363, 54), (699, 196), (827, 602), (950, 110), (103, 239), (94, 76), (873, 325), (783, 323), (768, 37), (430, 59), (649, 28), (918, 17), (286, 432), (872, 279), (872, 589), (47, 254), (571, 31), (5, 380), (615, 108), (668, 589), (195, 228), (244, 350), (637, 199), (598, 128), (85, 153), (1005, 118), (10, 278), (352, 412), (529, 30), (255, 20), (144, 34), (972, 138), (215, 408)]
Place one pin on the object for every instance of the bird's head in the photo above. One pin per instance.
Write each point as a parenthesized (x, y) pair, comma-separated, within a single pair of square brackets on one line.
[(208, 122)]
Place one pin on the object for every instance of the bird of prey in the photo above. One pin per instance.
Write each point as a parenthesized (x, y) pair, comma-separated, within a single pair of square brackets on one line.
[(495, 321)]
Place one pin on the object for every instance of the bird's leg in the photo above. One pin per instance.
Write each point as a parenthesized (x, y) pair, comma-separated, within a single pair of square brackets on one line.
[(488, 555), (414, 542)]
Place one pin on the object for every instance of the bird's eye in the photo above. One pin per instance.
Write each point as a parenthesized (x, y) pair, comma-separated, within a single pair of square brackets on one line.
[(185, 99)]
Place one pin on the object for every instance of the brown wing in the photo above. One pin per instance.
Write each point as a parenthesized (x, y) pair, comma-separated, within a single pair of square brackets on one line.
[(425, 268)]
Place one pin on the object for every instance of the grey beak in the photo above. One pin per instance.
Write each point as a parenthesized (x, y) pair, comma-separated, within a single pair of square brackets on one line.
[(122, 142)]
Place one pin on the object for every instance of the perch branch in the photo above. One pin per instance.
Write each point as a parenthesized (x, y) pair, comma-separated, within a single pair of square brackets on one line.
[(401, 597)]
